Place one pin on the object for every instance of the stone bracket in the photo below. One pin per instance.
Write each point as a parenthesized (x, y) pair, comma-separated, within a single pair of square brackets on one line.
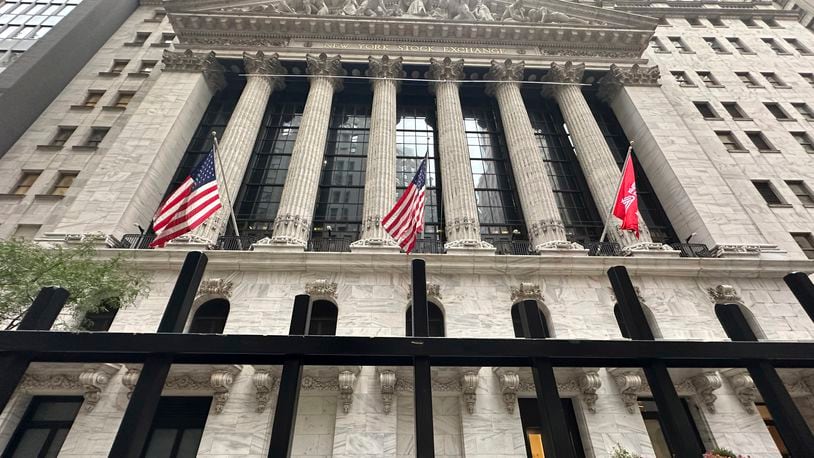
[(469, 387), (387, 380), (346, 380), (583, 383), (744, 388), (217, 379), (704, 385)]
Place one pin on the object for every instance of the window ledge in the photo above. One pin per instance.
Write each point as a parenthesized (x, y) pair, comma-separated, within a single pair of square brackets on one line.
[(153, 21), (48, 197), (82, 107), (688, 85), (110, 73), (754, 86), (737, 151), (113, 108), (686, 52), (662, 52), (785, 86), (781, 206), (748, 53), (715, 85), (716, 118), (723, 52), (742, 119), (84, 148), (134, 45), (808, 205), (10, 196), (807, 53), (786, 119), (138, 75), (160, 45), (769, 151), (784, 54), (49, 147)]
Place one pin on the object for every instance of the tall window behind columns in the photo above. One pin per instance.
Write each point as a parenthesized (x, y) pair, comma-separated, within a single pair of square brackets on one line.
[(262, 187), (649, 206)]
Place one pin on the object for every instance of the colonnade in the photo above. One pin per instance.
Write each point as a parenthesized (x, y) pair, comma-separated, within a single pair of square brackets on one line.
[(292, 226)]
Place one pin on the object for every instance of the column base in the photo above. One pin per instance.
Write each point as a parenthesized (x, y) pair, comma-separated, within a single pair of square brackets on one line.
[(279, 245), (469, 247), (560, 248), (651, 250), (191, 242), (374, 246)]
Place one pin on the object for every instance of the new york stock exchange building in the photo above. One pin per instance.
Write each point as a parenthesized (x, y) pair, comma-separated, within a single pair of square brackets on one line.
[(301, 330)]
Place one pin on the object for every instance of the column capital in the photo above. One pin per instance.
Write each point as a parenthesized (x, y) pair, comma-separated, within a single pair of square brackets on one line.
[(504, 72), (446, 69), (568, 72), (617, 77), (385, 67), (190, 62), (269, 67), (322, 65)]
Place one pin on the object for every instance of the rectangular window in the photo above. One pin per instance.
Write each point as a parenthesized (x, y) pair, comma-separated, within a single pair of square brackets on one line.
[(767, 192), (97, 134), (799, 47), (801, 191), (26, 181), (760, 142), (147, 66), (738, 44), (63, 183), (715, 45), (656, 45), (773, 79), (808, 77), (716, 21), (806, 243), (774, 46), (167, 38), (708, 79), (159, 15), (729, 141), (26, 231), (749, 22), (118, 66), (92, 98), (682, 79), (734, 110), (177, 426), (747, 79), (655, 427), (804, 140), (777, 111), (772, 22), (679, 44), (62, 136), (44, 426), (141, 38), (804, 110), (123, 99), (695, 22), (706, 110), (533, 427)]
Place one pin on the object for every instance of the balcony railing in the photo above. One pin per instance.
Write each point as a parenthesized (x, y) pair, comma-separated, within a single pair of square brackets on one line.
[(428, 246), (604, 249), (693, 250), (136, 241), (233, 242), (513, 247), (329, 245)]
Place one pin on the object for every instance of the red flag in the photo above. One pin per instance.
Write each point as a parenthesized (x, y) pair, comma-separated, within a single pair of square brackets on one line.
[(626, 206)]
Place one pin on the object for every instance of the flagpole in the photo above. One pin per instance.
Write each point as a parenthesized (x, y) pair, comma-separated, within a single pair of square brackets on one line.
[(613, 204), (226, 190)]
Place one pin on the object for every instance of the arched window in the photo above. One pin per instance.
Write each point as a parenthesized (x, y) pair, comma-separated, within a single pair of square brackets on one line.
[(436, 319), (739, 322), (648, 315), (323, 318), (518, 324), (620, 320), (101, 319), (210, 318)]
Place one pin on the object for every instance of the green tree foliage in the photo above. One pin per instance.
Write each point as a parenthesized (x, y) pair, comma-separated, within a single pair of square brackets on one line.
[(25, 267)]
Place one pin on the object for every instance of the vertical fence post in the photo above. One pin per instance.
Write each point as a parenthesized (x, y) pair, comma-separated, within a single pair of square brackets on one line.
[(790, 423), (135, 425), (422, 375), (288, 395), (39, 317), (555, 430), (678, 427), (803, 290)]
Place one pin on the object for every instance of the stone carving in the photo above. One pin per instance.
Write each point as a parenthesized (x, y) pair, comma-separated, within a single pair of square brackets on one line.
[(502, 73), (565, 73), (98, 239), (221, 382), (725, 251), (235, 42), (446, 69), (724, 294), (573, 52), (264, 384), (94, 381), (745, 390), (433, 291), (385, 67), (129, 380), (509, 385), (324, 66), (589, 383), (216, 287), (704, 385), (482, 12), (526, 291), (55, 382), (387, 379), (318, 384), (345, 382), (270, 66), (646, 246), (191, 62), (515, 12), (629, 384), (321, 288), (469, 386), (186, 382), (617, 77)]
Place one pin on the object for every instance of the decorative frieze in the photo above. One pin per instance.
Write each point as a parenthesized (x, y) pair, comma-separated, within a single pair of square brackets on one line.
[(321, 288), (724, 294), (704, 385), (52, 382), (433, 292), (618, 77), (215, 379), (216, 287), (736, 251), (526, 291), (326, 66), (191, 62)]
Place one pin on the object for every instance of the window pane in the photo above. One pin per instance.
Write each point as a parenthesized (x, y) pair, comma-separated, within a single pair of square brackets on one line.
[(190, 440), (56, 411), (31, 443), (160, 443)]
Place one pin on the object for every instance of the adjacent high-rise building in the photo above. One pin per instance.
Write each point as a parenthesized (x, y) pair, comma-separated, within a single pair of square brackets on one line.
[(526, 110)]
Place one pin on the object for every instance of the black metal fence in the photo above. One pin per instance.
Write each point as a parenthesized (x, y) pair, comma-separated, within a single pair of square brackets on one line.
[(604, 249), (158, 351)]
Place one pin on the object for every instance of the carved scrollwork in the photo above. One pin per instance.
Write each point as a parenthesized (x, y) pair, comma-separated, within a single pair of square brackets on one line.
[(321, 288), (269, 66), (469, 386), (323, 65), (216, 287), (433, 291), (618, 77), (629, 384), (446, 70), (504, 72), (589, 383), (724, 294), (745, 390), (55, 382), (509, 385), (264, 383), (526, 291), (387, 380), (345, 382), (704, 385), (385, 67), (191, 62), (221, 382), (565, 73)]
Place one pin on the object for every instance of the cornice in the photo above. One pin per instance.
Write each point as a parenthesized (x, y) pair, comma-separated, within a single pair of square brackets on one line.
[(724, 12)]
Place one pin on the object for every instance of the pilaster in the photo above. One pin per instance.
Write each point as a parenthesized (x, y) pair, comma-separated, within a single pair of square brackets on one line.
[(292, 226), (545, 227), (460, 208), (380, 174)]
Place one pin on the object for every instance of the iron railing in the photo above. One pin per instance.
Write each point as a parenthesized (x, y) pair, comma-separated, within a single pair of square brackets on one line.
[(513, 247), (136, 241), (233, 242), (429, 246), (330, 245), (693, 250), (604, 249)]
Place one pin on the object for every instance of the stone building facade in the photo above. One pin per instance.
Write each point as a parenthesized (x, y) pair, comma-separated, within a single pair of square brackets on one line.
[(717, 97)]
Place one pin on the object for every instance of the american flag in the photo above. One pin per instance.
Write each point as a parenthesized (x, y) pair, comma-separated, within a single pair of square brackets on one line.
[(190, 205), (406, 220)]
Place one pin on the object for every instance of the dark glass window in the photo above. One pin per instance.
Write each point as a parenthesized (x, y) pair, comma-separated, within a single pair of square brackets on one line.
[(533, 427), (804, 110), (738, 44), (759, 141), (773, 79), (808, 77), (706, 110), (747, 79), (436, 320), (767, 192), (682, 79), (62, 136), (801, 191), (708, 79), (499, 210), (715, 45), (101, 319), (806, 243), (729, 141), (517, 323), (774, 46), (649, 206), (323, 319), (574, 201), (210, 318), (734, 110), (768, 420), (776, 110), (655, 427), (43, 427), (804, 140), (262, 188), (342, 185), (96, 135), (177, 427)]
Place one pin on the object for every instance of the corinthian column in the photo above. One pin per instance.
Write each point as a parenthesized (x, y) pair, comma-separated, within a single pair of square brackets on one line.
[(264, 75), (542, 216), (595, 157), (292, 225), (460, 208), (380, 172)]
